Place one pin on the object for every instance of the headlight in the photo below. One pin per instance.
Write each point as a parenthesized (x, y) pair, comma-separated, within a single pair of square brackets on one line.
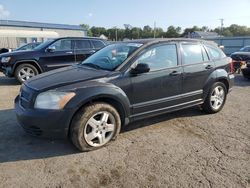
[(53, 99), (5, 59)]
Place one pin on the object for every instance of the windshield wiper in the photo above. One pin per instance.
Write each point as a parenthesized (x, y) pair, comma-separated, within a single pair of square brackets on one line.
[(92, 65)]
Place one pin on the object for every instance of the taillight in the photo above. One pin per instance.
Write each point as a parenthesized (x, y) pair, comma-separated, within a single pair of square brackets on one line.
[(231, 62)]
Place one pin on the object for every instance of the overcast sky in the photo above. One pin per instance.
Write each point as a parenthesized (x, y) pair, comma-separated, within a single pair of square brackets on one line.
[(110, 13)]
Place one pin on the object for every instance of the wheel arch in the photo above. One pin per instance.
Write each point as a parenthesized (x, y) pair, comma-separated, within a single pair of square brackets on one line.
[(112, 97), (32, 62)]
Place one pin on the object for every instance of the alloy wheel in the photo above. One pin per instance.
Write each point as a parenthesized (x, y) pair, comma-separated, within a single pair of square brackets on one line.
[(99, 129), (26, 73), (217, 97)]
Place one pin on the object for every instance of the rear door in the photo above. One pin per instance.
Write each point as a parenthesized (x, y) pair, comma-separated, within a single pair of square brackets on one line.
[(61, 56), (196, 69), (82, 49)]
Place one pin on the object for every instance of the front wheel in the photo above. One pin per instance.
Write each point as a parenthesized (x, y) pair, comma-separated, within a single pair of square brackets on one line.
[(216, 98), (24, 72), (94, 126)]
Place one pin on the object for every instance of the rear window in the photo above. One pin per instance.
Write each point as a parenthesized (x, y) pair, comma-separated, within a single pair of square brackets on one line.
[(98, 44), (191, 53), (215, 52)]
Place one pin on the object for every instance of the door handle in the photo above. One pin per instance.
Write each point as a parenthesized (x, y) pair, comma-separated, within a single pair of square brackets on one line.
[(69, 52), (174, 73), (209, 67)]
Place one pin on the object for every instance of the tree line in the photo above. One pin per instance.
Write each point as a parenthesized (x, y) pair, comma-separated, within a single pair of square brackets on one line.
[(129, 32)]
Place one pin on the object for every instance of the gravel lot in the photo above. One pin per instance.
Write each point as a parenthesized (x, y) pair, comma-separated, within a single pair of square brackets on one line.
[(183, 149)]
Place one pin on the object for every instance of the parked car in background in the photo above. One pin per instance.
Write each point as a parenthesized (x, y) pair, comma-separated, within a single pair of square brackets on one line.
[(246, 70), (49, 55), (28, 46), (124, 82), (240, 59), (242, 55), (4, 50)]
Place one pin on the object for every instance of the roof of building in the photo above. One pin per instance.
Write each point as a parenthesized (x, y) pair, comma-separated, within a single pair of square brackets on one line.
[(16, 23)]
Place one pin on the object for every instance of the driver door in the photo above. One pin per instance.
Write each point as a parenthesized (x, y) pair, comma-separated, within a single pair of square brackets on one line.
[(62, 55), (157, 89)]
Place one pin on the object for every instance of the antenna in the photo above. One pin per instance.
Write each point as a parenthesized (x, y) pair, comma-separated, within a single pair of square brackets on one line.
[(154, 28)]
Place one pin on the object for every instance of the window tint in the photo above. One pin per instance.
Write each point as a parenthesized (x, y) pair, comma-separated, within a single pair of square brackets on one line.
[(215, 53), (160, 57), (62, 45), (82, 44), (191, 53), (204, 53), (98, 44)]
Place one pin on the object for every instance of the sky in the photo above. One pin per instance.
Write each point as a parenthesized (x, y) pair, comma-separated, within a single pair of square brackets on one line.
[(137, 13)]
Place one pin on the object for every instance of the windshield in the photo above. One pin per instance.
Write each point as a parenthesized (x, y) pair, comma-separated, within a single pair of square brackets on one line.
[(245, 49), (110, 57), (44, 44)]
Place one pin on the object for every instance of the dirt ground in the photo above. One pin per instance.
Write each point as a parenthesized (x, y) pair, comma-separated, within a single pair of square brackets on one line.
[(187, 148)]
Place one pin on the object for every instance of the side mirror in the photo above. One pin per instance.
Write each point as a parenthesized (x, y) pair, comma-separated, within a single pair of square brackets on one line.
[(51, 49), (140, 68)]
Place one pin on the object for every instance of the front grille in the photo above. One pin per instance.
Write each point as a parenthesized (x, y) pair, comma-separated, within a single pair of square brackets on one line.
[(26, 96), (33, 130)]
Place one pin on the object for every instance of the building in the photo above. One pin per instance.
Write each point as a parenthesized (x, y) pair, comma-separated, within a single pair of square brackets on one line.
[(232, 44), (203, 35), (15, 33)]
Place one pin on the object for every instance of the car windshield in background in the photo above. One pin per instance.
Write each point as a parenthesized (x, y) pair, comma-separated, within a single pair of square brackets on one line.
[(44, 44), (245, 49), (110, 57)]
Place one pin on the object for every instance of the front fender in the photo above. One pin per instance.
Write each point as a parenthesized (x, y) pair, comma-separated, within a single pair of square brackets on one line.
[(95, 91)]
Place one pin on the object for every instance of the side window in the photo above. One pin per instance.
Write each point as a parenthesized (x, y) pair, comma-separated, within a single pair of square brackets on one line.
[(160, 57), (82, 44), (62, 45), (191, 53), (204, 53), (98, 44), (215, 52)]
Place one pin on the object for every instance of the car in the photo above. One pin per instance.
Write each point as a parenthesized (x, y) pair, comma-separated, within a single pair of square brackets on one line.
[(28, 46), (246, 71), (49, 55), (4, 50), (124, 82), (240, 59)]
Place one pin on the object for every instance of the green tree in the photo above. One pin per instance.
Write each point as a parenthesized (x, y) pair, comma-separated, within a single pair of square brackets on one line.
[(173, 32), (87, 28)]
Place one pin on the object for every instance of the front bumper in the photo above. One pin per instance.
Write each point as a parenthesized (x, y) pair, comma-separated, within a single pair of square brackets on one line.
[(246, 72), (44, 123)]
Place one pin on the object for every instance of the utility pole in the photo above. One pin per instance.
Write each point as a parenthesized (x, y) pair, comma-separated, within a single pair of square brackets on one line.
[(116, 37), (221, 25), (154, 28)]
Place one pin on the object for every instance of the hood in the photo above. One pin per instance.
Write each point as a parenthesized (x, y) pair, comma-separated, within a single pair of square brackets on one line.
[(17, 53), (64, 76), (241, 53), (241, 56)]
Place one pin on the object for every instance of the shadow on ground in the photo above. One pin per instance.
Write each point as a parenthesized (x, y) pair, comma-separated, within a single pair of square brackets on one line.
[(16, 145), (241, 81), (5, 81)]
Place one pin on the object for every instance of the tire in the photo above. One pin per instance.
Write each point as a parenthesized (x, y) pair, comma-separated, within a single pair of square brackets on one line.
[(214, 98), (91, 129), (24, 72)]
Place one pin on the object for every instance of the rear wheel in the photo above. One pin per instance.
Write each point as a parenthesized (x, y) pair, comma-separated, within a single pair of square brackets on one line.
[(216, 98), (94, 126), (25, 71)]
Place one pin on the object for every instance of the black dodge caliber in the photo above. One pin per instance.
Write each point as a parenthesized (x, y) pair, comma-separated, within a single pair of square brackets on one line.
[(89, 102)]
